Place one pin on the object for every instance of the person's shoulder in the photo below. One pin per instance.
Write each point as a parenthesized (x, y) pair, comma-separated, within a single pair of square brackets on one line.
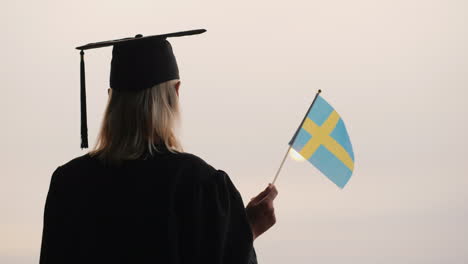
[(78, 163), (64, 174), (197, 168), (75, 165), (193, 160)]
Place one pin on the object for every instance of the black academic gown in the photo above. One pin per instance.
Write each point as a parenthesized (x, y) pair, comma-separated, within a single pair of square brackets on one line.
[(168, 208)]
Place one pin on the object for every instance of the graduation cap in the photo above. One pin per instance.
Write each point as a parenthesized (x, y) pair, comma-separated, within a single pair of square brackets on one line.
[(138, 63)]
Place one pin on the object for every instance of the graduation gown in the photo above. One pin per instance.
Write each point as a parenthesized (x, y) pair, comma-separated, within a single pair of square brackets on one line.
[(168, 208)]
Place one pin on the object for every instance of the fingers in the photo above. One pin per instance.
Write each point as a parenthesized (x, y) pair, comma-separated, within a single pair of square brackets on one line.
[(261, 212), (268, 211), (270, 214), (269, 194), (261, 195), (273, 191)]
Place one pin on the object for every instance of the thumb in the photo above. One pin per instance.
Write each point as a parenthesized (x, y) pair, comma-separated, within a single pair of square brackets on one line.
[(261, 195), (271, 195)]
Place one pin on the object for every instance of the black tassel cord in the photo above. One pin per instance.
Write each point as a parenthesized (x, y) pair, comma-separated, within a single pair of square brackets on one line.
[(84, 121)]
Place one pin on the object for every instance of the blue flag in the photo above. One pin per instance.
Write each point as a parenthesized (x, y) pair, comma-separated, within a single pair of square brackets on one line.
[(323, 140)]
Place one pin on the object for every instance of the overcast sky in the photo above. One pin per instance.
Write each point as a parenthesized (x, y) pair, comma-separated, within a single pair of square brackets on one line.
[(396, 71)]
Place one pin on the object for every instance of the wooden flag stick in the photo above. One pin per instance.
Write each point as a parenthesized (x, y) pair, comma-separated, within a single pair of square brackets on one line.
[(294, 137), (282, 162)]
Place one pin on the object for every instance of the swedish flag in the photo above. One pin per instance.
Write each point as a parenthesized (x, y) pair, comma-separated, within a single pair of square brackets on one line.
[(323, 140)]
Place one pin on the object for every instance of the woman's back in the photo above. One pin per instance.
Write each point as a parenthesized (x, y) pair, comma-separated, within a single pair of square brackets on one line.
[(137, 197), (167, 208)]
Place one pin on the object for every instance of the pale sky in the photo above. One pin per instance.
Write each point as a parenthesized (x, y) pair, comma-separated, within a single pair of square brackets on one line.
[(396, 71)]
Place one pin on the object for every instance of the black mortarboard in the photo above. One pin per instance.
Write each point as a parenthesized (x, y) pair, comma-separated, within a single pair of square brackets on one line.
[(137, 63)]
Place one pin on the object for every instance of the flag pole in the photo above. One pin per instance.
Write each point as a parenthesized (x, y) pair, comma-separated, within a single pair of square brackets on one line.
[(294, 137), (282, 162)]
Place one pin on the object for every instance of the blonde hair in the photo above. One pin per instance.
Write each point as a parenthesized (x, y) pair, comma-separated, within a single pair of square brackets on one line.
[(135, 123)]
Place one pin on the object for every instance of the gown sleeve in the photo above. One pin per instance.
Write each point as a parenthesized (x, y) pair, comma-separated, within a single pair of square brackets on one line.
[(212, 223), (54, 245)]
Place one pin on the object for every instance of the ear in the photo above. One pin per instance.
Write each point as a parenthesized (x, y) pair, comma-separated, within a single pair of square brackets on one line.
[(108, 90), (177, 85)]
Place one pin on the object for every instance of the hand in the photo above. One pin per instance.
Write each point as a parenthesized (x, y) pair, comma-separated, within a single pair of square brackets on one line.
[(260, 211)]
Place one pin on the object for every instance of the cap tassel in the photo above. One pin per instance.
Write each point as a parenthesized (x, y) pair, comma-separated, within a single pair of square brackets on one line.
[(84, 125)]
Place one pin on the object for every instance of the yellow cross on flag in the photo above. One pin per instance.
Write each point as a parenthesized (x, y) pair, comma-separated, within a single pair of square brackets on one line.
[(323, 140)]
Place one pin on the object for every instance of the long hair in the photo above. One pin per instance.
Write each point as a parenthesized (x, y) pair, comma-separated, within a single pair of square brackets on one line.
[(138, 123)]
